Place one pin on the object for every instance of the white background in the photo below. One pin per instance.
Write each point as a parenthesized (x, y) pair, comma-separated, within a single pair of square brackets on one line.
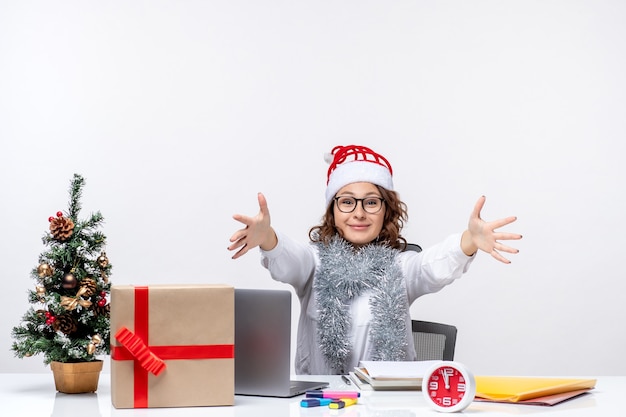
[(178, 112)]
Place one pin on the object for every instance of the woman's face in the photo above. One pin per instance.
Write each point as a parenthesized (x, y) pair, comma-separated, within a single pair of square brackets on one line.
[(359, 227)]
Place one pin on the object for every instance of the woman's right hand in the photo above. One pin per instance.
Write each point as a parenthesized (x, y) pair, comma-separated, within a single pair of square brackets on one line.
[(258, 231)]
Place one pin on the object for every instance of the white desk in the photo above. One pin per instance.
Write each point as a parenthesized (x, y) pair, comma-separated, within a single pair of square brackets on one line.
[(35, 395)]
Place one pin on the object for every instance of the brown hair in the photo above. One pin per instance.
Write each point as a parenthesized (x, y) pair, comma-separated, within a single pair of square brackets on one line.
[(395, 216)]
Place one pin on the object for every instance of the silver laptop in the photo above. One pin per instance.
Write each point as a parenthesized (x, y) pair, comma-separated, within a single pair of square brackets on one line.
[(263, 345)]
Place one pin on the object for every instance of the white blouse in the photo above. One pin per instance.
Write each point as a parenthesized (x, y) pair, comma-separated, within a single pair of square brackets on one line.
[(295, 263)]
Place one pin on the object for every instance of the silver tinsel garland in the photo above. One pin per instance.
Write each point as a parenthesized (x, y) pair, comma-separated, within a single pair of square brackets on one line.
[(345, 273)]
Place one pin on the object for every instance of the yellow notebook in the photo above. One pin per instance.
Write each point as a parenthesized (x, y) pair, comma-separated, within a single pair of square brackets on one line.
[(516, 389)]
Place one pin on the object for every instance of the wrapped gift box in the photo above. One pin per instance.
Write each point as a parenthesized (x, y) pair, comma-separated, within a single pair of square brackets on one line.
[(172, 346)]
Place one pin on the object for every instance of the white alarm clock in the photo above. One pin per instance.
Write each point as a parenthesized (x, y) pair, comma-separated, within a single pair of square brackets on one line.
[(448, 386)]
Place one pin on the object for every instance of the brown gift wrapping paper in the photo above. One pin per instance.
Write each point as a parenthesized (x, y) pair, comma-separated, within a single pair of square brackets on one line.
[(197, 317)]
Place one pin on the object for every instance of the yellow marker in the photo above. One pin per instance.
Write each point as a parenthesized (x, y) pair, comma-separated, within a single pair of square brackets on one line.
[(344, 402)]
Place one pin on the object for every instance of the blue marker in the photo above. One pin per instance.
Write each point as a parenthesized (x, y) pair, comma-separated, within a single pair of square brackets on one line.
[(314, 402)]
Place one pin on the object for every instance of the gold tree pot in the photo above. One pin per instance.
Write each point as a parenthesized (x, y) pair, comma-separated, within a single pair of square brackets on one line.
[(76, 378)]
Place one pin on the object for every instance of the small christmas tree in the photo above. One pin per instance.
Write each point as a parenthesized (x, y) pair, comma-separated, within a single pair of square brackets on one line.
[(69, 321)]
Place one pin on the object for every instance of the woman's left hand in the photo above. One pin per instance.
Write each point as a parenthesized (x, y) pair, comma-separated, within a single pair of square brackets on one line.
[(483, 235)]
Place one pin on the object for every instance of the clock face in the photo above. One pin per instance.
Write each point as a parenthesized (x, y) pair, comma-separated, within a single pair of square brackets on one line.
[(449, 387)]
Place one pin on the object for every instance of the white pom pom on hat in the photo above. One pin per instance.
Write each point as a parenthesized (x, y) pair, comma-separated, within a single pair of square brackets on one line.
[(354, 163)]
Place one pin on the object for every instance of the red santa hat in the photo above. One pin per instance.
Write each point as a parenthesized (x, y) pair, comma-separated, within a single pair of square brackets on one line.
[(353, 163)]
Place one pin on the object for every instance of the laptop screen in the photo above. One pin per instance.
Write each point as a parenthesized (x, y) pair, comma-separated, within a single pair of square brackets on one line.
[(263, 344), (262, 341)]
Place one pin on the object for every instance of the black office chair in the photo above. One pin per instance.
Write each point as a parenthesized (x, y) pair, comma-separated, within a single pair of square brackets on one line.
[(433, 341), (413, 246)]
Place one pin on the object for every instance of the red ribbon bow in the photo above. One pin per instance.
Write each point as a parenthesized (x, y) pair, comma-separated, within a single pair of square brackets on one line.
[(148, 360)]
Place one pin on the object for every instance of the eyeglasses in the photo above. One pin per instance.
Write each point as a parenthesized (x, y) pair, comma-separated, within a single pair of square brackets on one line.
[(371, 205)]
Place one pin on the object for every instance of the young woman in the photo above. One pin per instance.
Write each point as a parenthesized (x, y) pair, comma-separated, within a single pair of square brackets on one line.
[(354, 280)]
